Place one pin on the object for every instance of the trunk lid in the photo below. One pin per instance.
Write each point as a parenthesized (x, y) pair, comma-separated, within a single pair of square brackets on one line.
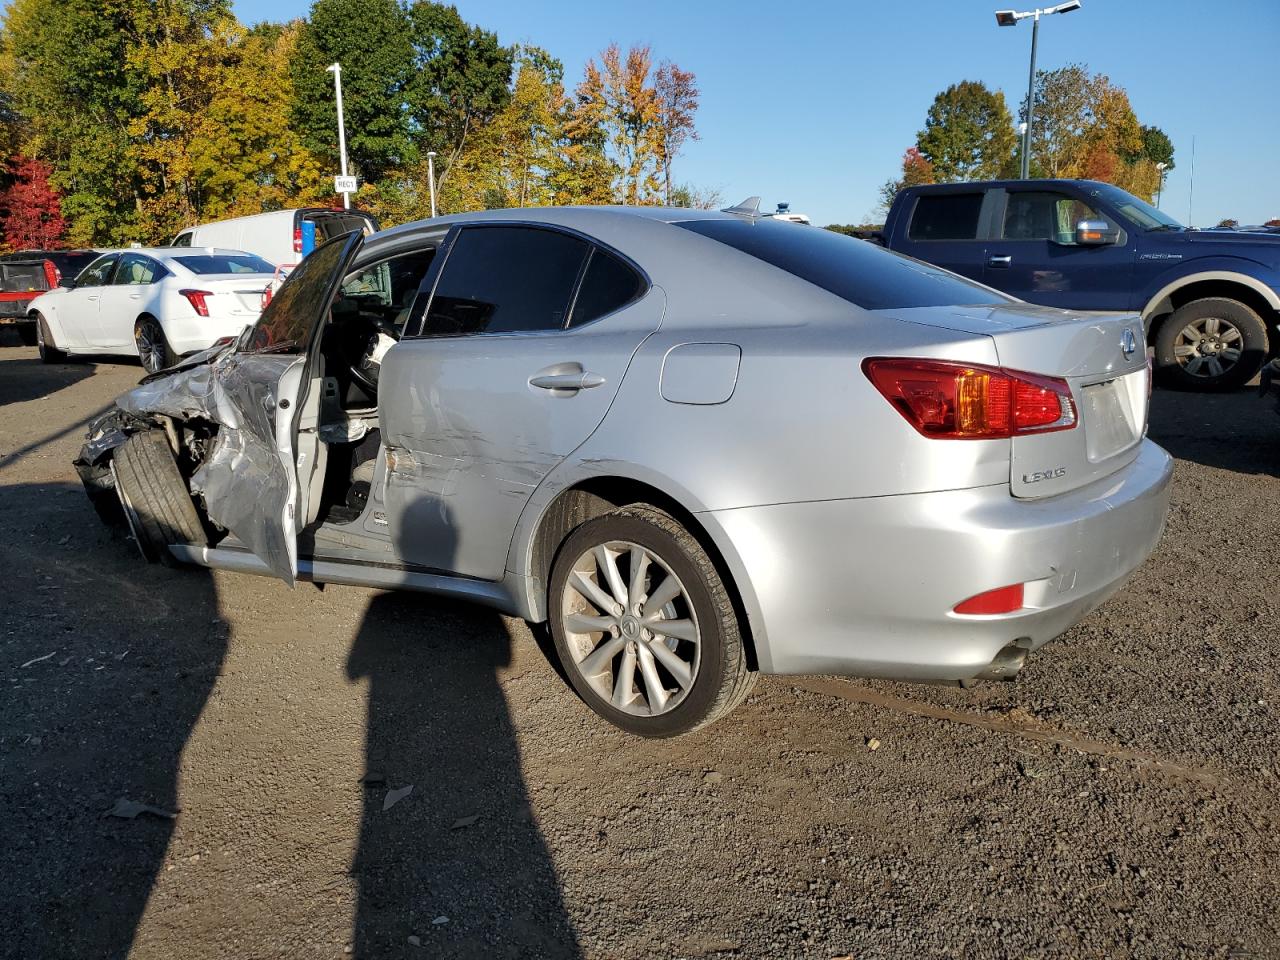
[(236, 294), (1103, 358)]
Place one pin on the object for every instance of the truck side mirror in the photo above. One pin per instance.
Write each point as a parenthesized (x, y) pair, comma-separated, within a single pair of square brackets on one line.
[(1096, 233)]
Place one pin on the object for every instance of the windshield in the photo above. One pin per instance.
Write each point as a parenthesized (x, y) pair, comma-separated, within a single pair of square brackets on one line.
[(866, 275), (225, 263), (1139, 211)]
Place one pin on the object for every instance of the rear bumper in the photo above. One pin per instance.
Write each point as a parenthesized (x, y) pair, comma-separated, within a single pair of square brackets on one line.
[(199, 333), (866, 587)]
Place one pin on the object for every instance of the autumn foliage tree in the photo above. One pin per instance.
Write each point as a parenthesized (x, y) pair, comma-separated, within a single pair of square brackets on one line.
[(916, 170), (31, 208)]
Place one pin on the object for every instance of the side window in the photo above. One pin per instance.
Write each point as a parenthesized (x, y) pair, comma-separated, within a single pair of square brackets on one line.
[(135, 269), (504, 279), (946, 216), (1042, 215), (607, 285), (384, 292), (98, 272), (183, 240)]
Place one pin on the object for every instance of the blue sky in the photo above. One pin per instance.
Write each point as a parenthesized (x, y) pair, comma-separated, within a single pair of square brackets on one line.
[(814, 102)]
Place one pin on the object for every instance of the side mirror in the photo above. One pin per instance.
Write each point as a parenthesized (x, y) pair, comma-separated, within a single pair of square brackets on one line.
[(1096, 233)]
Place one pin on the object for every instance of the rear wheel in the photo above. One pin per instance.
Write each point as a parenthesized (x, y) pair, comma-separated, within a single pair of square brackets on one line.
[(1211, 344), (44, 342), (153, 348), (154, 496), (644, 626)]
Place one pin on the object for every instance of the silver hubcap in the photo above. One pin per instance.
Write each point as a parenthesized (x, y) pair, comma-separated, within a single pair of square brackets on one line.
[(1208, 347), (149, 349), (631, 631)]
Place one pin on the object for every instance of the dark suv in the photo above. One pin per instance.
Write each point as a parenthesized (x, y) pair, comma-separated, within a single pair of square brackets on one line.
[(1210, 299), (27, 274)]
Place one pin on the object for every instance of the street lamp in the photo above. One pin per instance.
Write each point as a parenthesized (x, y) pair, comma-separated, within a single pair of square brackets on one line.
[(1162, 167), (1010, 18), (336, 70), (431, 177)]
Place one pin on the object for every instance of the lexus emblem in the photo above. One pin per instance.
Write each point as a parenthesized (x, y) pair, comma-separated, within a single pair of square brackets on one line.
[(1128, 343)]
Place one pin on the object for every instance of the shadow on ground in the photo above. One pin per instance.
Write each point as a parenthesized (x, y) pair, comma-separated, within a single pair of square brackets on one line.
[(1237, 431)]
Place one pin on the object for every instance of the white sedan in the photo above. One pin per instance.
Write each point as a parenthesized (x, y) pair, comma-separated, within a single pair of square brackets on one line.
[(160, 303)]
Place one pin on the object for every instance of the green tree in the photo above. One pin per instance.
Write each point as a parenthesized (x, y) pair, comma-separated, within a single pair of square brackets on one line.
[(373, 41), (461, 81), (968, 133), (1157, 147)]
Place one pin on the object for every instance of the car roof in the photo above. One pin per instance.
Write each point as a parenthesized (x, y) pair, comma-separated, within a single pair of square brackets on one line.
[(180, 251), (968, 186)]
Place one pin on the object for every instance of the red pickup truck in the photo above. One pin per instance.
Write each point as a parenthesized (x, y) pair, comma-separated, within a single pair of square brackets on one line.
[(27, 274)]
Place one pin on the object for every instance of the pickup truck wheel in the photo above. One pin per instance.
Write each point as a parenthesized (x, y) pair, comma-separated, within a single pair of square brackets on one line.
[(27, 334), (44, 343), (644, 626), (154, 496), (153, 348), (1210, 344)]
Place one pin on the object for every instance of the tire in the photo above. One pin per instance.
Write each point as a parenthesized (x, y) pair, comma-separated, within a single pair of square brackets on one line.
[(154, 496), (28, 335), (44, 342), (1210, 344), (700, 675), (153, 348)]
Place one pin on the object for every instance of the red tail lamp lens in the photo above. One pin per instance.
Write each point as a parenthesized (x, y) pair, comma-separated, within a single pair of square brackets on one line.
[(197, 300), (956, 401), (297, 239), (52, 275), (1001, 600)]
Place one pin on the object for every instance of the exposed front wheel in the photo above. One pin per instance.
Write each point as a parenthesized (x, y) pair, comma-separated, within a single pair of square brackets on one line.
[(1210, 344), (153, 348), (154, 496), (644, 626), (44, 343)]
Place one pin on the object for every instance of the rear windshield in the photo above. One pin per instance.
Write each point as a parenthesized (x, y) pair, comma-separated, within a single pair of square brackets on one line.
[(21, 277), (225, 263), (866, 275)]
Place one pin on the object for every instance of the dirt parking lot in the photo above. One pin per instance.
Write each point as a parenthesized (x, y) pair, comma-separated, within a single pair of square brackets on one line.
[(1121, 799)]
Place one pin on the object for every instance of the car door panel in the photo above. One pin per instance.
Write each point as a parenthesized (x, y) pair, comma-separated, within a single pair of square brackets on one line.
[(78, 307), (469, 435), (263, 401)]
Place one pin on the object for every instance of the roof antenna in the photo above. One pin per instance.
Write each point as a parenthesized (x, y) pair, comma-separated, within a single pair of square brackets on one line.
[(749, 207)]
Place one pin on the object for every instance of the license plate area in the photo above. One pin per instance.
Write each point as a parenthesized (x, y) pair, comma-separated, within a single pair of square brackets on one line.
[(1114, 415)]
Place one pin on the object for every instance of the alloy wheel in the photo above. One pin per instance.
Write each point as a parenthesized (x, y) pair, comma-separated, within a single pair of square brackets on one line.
[(1208, 347), (151, 347), (631, 629)]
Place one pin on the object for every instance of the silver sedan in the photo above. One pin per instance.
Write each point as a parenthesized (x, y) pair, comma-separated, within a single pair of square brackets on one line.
[(699, 445)]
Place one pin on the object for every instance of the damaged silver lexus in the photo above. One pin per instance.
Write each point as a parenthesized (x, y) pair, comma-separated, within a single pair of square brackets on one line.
[(698, 445)]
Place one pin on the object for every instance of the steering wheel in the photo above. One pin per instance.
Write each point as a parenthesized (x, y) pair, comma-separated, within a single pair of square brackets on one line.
[(365, 370)]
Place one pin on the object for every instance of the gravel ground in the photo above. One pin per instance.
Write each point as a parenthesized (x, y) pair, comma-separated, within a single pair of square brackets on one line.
[(1121, 799)]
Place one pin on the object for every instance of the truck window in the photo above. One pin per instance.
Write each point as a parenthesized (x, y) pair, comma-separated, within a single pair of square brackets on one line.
[(946, 216), (1043, 215)]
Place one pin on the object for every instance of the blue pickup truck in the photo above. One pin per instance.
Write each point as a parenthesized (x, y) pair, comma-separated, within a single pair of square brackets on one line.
[(1210, 299)]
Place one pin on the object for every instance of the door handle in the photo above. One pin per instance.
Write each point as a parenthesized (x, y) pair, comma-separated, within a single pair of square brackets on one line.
[(999, 261), (91, 298), (554, 379)]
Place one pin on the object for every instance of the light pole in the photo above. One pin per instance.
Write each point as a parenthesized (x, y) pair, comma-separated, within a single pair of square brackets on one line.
[(1162, 167), (336, 70), (431, 176), (1010, 18)]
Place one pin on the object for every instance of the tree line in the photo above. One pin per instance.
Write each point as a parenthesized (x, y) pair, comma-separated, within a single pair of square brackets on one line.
[(1083, 127), (128, 120)]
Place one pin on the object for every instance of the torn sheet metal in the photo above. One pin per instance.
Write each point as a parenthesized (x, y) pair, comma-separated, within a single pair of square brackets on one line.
[(248, 477)]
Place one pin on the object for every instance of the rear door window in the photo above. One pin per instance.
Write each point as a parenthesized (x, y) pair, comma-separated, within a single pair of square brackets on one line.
[(863, 273), (608, 285), (946, 216), (505, 279)]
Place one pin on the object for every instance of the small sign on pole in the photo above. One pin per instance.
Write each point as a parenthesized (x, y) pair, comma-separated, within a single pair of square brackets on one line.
[(343, 184)]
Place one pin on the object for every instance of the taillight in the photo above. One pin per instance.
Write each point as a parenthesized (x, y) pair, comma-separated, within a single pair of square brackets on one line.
[(52, 275), (297, 239), (1001, 600), (959, 401), (197, 300)]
